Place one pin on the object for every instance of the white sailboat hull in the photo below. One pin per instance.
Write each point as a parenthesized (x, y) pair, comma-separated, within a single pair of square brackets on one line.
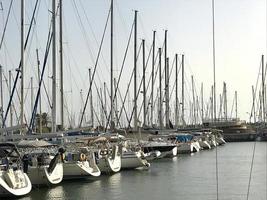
[(79, 169), (41, 176), (132, 160), (110, 163), (21, 186), (183, 148)]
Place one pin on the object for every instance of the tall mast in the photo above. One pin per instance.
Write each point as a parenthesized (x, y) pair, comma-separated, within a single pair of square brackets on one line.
[(263, 86), (144, 82), (22, 63), (54, 125), (225, 100), (167, 93), (236, 104), (183, 119), (176, 91), (40, 97), (11, 107), (160, 92), (116, 104), (1, 95), (153, 80), (111, 65), (202, 103), (31, 93), (105, 98), (135, 70), (194, 102), (214, 72), (166, 80), (61, 64), (91, 100), (253, 105)]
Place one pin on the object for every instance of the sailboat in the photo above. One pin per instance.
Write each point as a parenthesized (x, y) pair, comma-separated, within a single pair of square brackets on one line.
[(13, 180), (80, 162), (45, 166)]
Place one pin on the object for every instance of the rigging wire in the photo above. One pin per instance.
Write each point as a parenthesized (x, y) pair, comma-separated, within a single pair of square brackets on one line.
[(96, 64), (4, 30), (18, 71)]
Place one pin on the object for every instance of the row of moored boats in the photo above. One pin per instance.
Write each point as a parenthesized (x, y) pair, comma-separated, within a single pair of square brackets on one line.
[(32, 163)]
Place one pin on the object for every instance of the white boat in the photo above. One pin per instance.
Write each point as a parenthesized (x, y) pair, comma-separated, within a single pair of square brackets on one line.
[(109, 159), (13, 181), (166, 149), (186, 143), (133, 159), (80, 163), (44, 164)]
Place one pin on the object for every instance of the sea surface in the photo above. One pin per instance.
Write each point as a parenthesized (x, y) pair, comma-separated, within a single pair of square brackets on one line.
[(186, 177)]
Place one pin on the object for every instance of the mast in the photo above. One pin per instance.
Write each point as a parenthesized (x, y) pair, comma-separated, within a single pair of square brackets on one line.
[(116, 104), (153, 80), (214, 72), (193, 108), (40, 97), (176, 90), (144, 82), (91, 100), (183, 120), (105, 98), (135, 70), (225, 100), (253, 105), (160, 93), (263, 86), (167, 93), (10, 89), (61, 65), (31, 94), (236, 104), (111, 66), (166, 63), (54, 125), (202, 103), (22, 63), (1, 95)]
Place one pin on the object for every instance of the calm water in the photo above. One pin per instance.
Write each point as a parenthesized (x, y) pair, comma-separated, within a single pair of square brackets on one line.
[(185, 177)]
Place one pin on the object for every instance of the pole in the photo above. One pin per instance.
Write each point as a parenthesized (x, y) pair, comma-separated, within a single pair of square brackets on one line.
[(144, 83), (135, 70), (54, 108), (22, 64), (11, 107), (176, 91), (160, 92), (214, 72), (40, 97), (183, 119), (61, 65), (111, 66), (91, 100), (263, 86), (153, 80), (167, 118), (202, 103)]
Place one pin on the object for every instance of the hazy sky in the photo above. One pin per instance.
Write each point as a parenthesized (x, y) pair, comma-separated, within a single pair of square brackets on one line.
[(240, 34)]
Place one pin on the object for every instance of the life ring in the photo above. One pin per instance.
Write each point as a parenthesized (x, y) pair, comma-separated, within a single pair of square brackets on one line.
[(82, 157)]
